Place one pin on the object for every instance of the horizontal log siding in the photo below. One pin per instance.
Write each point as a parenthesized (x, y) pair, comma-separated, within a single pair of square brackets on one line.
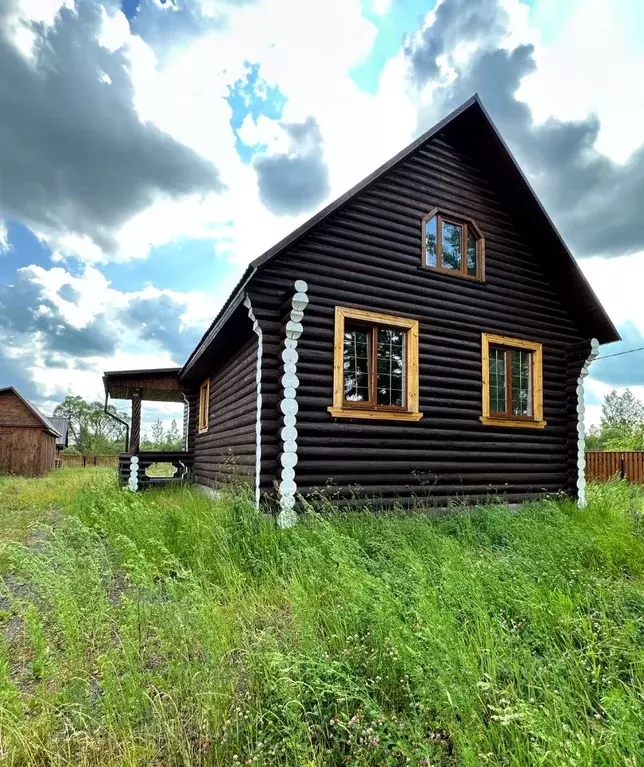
[(367, 255), (266, 308), (226, 452)]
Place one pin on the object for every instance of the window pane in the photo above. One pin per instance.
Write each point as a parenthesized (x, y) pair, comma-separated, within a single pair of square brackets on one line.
[(471, 254), (498, 402), (521, 382), (452, 245), (391, 367), (356, 364), (430, 242)]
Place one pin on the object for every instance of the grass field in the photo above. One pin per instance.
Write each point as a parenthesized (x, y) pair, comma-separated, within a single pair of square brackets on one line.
[(162, 628)]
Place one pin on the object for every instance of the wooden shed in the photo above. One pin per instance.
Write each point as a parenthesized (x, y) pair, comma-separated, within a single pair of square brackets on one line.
[(27, 437)]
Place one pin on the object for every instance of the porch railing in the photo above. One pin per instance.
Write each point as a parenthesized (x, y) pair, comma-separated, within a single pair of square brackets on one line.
[(153, 468)]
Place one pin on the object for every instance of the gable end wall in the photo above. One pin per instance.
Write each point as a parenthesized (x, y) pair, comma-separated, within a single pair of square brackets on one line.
[(367, 255)]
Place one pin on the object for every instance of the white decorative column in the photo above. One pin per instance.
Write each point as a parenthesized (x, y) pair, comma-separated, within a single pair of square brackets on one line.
[(287, 488), (133, 481), (581, 430), (258, 378)]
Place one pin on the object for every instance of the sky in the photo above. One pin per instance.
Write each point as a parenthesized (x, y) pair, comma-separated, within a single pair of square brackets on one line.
[(149, 149)]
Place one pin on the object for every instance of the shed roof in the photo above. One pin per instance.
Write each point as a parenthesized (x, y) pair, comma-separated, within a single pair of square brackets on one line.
[(62, 426), (587, 305), (47, 424)]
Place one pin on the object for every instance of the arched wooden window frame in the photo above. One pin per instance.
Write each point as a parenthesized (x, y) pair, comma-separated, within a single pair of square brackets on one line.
[(467, 225)]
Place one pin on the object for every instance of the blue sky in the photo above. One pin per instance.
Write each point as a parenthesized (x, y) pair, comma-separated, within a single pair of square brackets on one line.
[(140, 174)]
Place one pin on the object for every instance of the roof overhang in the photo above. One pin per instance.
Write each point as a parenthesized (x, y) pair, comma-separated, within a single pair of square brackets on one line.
[(160, 385), (587, 306)]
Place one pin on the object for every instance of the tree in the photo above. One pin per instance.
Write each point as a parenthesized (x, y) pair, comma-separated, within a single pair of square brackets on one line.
[(173, 437), (158, 432), (91, 430), (622, 424), (162, 440), (622, 411)]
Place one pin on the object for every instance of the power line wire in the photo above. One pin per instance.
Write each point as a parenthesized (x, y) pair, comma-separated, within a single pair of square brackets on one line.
[(619, 354)]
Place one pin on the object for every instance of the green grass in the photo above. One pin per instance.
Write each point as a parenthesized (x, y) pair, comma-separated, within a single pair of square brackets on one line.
[(26, 504), (162, 628)]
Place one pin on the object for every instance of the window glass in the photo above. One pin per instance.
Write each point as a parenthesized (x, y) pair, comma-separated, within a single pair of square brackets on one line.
[(471, 254), (356, 364), (431, 250), (497, 381), (451, 242), (521, 382), (391, 367)]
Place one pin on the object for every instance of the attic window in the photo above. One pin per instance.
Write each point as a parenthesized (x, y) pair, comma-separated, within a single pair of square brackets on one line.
[(453, 245)]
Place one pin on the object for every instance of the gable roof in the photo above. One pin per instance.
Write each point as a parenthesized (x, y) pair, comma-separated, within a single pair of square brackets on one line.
[(47, 424), (62, 426), (598, 322)]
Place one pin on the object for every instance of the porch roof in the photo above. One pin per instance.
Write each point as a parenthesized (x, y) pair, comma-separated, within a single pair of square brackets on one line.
[(160, 385)]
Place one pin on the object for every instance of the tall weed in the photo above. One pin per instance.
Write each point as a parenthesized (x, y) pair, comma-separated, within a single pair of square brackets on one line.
[(165, 628)]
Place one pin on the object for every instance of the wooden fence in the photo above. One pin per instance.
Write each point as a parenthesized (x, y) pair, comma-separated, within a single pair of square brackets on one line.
[(606, 464), (87, 461)]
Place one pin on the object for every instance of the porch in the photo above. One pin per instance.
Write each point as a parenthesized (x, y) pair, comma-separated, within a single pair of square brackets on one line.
[(141, 469)]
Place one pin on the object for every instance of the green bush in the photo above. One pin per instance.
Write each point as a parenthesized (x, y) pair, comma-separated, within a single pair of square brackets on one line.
[(165, 628)]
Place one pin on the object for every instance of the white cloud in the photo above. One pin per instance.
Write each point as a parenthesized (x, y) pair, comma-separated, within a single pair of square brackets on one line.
[(588, 65), (618, 285), (77, 326), (381, 7), (5, 245)]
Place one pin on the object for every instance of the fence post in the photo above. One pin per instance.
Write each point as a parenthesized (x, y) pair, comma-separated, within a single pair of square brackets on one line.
[(622, 471), (84, 460), (95, 464)]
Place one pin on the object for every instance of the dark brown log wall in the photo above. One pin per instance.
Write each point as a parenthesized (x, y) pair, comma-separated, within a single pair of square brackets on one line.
[(226, 452), (367, 255)]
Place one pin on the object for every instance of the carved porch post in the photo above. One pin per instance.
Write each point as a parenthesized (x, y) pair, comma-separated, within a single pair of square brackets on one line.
[(135, 432)]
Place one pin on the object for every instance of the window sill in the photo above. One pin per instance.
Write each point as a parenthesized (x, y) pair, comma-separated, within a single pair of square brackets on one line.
[(517, 423), (203, 431), (375, 415), (451, 273)]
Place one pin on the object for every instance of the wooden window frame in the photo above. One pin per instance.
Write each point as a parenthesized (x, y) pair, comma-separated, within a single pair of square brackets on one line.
[(489, 418), (342, 409), (204, 406), (466, 225)]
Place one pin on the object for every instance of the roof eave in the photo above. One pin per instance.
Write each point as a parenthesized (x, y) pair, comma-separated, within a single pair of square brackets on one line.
[(611, 334)]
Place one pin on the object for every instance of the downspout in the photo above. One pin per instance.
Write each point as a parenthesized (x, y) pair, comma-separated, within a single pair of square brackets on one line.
[(120, 420)]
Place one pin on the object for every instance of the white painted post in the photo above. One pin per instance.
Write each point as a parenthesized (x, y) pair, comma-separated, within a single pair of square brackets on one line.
[(581, 429), (258, 377), (133, 481), (287, 487)]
